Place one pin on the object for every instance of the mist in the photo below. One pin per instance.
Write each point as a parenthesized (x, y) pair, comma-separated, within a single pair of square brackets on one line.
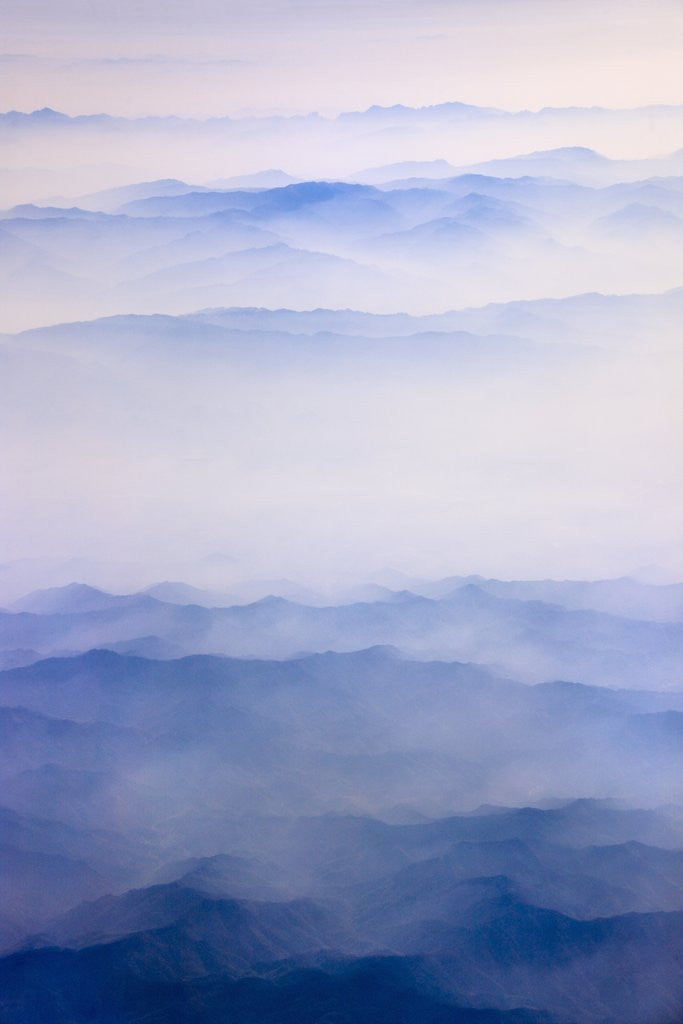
[(462, 423), (341, 613)]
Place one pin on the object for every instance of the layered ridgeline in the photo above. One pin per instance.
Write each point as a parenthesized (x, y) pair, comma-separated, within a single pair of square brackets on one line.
[(486, 621), (347, 836), (229, 797), (49, 154), (519, 228)]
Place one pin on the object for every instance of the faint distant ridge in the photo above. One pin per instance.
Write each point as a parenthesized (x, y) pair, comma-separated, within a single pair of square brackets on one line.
[(534, 319), (407, 169), (272, 178), (449, 110), (74, 598), (639, 218), (113, 197), (48, 116)]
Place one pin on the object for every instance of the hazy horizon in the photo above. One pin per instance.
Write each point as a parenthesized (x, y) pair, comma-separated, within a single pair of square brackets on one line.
[(152, 59)]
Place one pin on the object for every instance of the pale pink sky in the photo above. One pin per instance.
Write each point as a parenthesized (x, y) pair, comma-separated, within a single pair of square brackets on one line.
[(211, 57)]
